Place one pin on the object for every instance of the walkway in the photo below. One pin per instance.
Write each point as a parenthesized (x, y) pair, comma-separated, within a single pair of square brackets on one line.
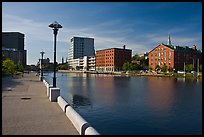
[(26, 110)]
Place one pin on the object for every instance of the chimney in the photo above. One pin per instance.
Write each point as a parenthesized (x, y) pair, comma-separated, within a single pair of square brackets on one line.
[(124, 47)]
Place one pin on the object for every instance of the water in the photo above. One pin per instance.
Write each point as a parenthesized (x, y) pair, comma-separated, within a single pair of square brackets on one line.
[(116, 105)]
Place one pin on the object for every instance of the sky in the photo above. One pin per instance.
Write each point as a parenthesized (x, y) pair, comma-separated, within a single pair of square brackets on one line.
[(140, 26)]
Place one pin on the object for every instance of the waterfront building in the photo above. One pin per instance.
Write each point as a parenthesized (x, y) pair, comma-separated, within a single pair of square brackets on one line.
[(13, 47), (174, 56), (73, 64), (79, 47), (87, 63), (110, 60)]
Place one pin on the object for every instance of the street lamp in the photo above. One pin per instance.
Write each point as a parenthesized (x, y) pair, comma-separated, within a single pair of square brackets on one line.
[(41, 65), (55, 25)]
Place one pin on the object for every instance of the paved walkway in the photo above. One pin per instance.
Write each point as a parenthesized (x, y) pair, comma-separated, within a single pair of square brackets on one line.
[(26, 110)]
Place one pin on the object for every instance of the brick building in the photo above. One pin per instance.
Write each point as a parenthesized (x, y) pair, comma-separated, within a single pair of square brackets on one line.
[(110, 60), (174, 56)]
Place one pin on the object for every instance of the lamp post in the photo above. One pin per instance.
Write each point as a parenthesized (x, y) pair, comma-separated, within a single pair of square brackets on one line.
[(55, 26), (41, 64)]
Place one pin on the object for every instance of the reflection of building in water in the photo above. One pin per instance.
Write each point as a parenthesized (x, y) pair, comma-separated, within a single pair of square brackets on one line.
[(79, 100), (160, 93), (105, 91), (180, 79)]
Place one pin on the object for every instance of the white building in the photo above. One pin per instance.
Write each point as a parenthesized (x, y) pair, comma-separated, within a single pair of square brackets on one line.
[(87, 63), (74, 64), (80, 47)]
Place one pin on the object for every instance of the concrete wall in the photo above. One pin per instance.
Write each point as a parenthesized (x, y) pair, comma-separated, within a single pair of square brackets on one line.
[(82, 126)]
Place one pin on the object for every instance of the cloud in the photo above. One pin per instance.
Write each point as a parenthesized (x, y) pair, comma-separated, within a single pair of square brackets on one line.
[(104, 38), (109, 34)]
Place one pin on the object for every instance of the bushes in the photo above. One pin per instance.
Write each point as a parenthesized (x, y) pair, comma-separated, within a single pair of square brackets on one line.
[(9, 68)]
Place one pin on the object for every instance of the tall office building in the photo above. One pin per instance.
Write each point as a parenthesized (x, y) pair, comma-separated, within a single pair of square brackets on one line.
[(80, 47), (13, 47)]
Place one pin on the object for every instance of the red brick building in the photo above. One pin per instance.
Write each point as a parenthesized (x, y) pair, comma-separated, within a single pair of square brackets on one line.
[(109, 60), (174, 56)]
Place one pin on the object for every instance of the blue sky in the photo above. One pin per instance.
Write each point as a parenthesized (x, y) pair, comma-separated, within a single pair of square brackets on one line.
[(139, 25)]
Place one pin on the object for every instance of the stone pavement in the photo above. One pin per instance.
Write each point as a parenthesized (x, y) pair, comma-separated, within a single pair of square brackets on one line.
[(26, 109)]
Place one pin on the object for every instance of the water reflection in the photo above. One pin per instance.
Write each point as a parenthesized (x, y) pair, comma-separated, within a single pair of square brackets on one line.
[(105, 90), (79, 86), (180, 79), (135, 105), (79, 100), (188, 80), (160, 94)]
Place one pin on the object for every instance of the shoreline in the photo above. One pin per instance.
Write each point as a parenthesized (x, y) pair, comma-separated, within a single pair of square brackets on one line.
[(137, 74)]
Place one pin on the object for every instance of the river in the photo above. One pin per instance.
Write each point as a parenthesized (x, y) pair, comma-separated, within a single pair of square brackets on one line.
[(120, 105)]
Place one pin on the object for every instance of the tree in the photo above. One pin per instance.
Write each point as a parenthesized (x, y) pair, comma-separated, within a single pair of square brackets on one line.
[(200, 67), (170, 69), (62, 67), (19, 67), (188, 67), (125, 66), (132, 66), (8, 67), (150, 68), (164, 68)]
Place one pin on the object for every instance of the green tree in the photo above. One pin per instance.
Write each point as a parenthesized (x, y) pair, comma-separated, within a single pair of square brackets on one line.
[(200, 67), (132, 66), (150, 68), (125, 66), (188, 67), (164, 68), (8, 67), (62, 66), (170, 69), (19, 67)]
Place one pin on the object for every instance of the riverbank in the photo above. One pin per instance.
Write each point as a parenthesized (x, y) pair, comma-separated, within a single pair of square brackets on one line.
[(132, 74)]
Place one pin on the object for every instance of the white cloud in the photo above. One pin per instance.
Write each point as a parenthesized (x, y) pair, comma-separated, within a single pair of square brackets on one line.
[(104, 37)]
